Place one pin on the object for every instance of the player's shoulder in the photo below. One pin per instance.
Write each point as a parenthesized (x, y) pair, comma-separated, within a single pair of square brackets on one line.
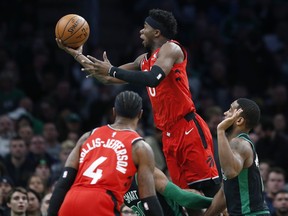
[(172, 48)]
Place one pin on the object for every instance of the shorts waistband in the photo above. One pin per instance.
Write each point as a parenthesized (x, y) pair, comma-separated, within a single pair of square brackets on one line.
[(189, 116)]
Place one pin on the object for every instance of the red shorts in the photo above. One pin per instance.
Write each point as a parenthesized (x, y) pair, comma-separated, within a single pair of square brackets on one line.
[(189, 152), (87, 201)]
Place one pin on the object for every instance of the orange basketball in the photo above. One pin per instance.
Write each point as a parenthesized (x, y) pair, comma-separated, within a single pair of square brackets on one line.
[(73, 30)]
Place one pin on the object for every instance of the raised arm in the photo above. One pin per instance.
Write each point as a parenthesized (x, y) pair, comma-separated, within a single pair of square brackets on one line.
[(235, 154), (144, 159)]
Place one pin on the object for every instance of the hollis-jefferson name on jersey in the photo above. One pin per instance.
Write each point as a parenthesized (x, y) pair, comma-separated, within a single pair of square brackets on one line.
[(116, 145)]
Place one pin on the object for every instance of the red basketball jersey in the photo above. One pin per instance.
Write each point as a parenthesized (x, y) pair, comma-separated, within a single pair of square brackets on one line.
[(171, 99), (106, 161)]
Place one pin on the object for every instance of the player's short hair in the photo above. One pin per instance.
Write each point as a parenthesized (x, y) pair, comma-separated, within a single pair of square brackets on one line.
[(166, 20), (251, 112), (128, 104)]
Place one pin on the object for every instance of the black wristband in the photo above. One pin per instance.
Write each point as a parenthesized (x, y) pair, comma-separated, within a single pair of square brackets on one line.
[(152, 206), (148, 78)]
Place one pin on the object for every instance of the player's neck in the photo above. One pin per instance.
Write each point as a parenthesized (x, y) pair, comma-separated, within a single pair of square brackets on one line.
[(123, 123), (158, 43)]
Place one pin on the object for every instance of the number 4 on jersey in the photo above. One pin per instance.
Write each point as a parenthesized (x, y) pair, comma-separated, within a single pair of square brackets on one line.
[(93, 172)]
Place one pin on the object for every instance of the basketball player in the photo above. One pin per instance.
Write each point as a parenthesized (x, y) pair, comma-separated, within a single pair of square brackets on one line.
[(101, 167), (243, 188), (187, 141)]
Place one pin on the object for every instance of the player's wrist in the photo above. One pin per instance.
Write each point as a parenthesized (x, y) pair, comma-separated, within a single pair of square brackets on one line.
[(112, 71), (77, 55)]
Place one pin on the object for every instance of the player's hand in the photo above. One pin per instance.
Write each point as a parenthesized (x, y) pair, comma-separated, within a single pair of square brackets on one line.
[(69, 50), (229, 119), (98, 67)]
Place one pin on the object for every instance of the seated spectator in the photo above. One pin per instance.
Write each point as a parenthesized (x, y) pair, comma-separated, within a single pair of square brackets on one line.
[(38, 151), (17, 201), (18, 165), (43, 169), (7, 131), (34, 203), (6, 185), (264, 167), (57, 169), (45, 204), (36, 183), (280, 203), (275, 182)]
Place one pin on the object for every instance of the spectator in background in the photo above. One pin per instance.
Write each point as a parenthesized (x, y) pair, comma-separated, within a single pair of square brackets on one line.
[(38, 151), (72, 122), (45, 203), (280, 124), (43, 169), (264, 167), (6, 185), (57, 168), (51, 134), (26, 133), (17, 201), (273, 145), (280, 203), (36, 183), (276, 180), (34, 203), (19, 166), (10, 95), (7, 131)]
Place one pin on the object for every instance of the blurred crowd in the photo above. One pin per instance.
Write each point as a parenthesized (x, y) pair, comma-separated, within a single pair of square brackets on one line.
[(237, 48)]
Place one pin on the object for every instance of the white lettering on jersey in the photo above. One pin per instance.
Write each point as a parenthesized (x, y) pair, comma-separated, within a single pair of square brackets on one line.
[(152, 91), (131, 196), (116, 145)]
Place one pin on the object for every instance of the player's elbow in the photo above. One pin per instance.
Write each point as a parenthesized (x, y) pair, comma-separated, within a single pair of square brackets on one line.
[(153, 83)]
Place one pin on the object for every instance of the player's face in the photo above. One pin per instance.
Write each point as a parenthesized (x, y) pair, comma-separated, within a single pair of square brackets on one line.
[(147, 35), (234, 106)]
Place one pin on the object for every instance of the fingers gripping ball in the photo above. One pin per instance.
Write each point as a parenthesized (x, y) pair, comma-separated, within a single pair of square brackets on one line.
[(73, 30)]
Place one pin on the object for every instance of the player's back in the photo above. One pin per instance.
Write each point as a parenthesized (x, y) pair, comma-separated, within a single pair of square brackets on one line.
[(105, 172)]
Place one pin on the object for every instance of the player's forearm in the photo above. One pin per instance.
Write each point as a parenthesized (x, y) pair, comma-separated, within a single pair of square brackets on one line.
[(226, 156), (185, 198), (218, 204)]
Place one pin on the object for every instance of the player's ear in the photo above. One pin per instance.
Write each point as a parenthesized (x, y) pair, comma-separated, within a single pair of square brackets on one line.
[(157, 33), (140, 114), (240, 120)]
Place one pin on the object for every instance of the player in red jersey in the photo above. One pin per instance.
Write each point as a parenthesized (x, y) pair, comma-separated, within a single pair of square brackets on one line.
[(101, 167), (187, 141)]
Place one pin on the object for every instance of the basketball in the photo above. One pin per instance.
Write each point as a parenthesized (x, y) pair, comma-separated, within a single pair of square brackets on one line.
[(73, 30)]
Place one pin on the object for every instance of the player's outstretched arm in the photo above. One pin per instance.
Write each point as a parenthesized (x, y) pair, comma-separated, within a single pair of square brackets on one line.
[(77, 54), (143, 157), (184, 198)]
